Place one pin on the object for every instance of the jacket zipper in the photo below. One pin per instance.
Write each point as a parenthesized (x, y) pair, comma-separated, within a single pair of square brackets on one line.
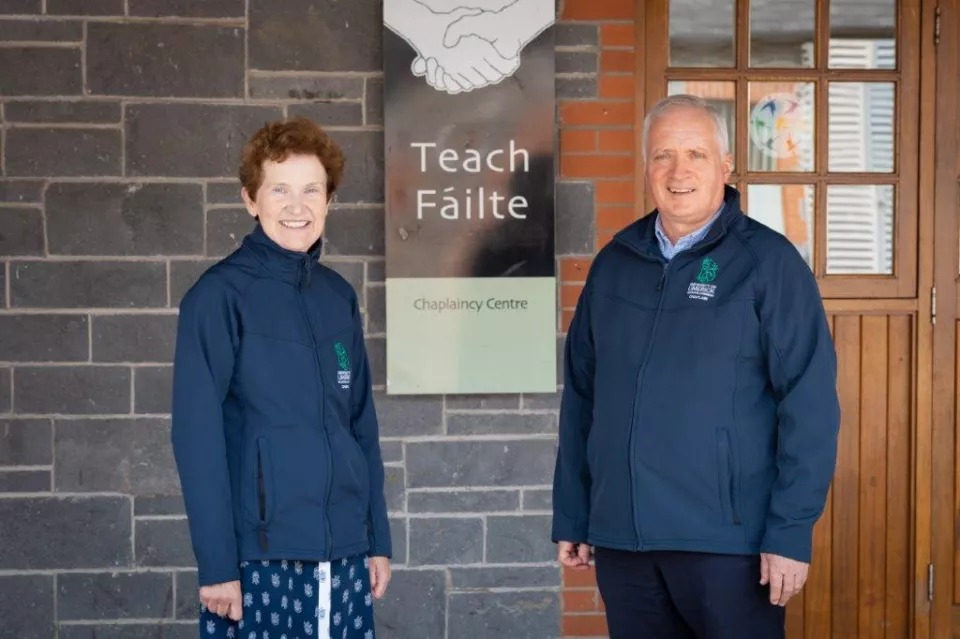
[(636, 402), (316, 356), (643, 365)]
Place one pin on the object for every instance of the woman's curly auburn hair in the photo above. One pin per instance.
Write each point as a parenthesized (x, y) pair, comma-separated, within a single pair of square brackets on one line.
[(279, 140)]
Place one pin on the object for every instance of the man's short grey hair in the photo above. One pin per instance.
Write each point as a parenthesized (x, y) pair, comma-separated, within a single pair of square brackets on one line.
[(686, 102)]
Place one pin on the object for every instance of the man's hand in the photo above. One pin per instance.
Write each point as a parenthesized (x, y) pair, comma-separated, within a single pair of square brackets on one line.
[(571, 555), (785, 576), (379, 575), (223, 599)]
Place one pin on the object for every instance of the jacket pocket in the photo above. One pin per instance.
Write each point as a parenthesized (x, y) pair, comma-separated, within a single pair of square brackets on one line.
[(263, 481), (727, 471)]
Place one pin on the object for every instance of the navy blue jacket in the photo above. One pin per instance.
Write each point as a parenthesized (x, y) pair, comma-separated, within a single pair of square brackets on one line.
[(275, 434), (699, 408)]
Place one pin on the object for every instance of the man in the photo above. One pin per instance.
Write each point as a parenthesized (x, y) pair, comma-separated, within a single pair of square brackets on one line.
[(699, 419)]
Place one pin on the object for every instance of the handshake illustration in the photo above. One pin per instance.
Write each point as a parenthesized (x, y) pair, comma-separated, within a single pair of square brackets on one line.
[(464, 45)]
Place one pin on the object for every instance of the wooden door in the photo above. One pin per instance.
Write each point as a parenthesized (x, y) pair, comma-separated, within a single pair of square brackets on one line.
[(827, 115), (945, 471)]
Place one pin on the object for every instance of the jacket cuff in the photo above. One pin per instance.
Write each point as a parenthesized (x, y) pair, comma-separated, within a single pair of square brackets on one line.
[(217, 575), (380, 545), (569, 529), (793, 542), (380, 550)]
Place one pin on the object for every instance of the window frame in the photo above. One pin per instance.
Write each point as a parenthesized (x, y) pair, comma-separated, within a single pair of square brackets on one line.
[(902, 283)]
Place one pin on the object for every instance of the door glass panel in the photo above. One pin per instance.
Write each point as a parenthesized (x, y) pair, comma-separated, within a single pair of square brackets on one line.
[(863, 34), (861, 126), (860, 229), (812, 93), (787, 209), (701, 33), (719, 95), (781, 125), (782, 33)]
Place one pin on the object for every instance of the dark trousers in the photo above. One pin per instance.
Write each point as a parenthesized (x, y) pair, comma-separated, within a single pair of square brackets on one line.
[(686, 595)]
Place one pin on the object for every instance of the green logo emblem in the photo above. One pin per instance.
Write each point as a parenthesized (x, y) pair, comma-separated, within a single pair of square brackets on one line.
[(342, 360), (708, 271)]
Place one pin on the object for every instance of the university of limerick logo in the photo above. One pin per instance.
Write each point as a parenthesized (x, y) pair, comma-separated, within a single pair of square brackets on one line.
[(708, 271), (701, 288), (343, 362)]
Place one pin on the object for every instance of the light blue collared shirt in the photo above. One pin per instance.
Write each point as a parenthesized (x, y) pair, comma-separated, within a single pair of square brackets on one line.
[(669, 249)]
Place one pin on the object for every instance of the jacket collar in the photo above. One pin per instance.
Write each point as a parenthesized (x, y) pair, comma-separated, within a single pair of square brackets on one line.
[(641, 235), (294, 267)]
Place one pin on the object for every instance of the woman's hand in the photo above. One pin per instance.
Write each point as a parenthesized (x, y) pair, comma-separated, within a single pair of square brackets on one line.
[(379, 575), (223, 599)]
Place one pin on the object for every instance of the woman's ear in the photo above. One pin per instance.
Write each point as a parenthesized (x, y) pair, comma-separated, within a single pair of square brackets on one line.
[(250, 204)]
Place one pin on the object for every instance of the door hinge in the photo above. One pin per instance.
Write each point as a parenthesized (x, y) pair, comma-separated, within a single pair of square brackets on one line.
[(933, 305), (936, 27), (929, 582)]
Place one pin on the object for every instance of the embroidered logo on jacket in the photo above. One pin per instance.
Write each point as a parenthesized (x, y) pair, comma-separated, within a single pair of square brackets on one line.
[(701, 288), (343, 361), (708, 271)]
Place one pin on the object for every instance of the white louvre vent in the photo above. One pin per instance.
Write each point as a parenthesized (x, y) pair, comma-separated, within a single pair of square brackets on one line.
[(860, 217)]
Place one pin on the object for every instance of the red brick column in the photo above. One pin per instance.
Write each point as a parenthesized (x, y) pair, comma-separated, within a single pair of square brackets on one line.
[(597, 144)]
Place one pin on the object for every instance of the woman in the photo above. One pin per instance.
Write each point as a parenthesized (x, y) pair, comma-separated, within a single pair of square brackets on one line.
[(274, 429)]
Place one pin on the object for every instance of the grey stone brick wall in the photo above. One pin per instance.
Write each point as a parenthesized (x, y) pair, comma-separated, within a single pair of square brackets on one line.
[(120, 127)]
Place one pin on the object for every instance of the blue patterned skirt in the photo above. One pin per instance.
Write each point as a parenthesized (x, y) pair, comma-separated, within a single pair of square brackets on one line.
[(299, 600)]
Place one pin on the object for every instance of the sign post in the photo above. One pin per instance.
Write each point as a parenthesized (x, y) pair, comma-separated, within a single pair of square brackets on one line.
[(471, 287)]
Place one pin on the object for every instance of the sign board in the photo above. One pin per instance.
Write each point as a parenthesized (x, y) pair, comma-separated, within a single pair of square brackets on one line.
[(469, 104)]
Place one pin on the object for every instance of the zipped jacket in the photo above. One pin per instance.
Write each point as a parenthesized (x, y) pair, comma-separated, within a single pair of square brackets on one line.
[(274, 428), (700, 408)]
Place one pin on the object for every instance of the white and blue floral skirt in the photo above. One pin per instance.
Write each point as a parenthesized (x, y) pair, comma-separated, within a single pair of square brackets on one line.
[(299, 600)]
